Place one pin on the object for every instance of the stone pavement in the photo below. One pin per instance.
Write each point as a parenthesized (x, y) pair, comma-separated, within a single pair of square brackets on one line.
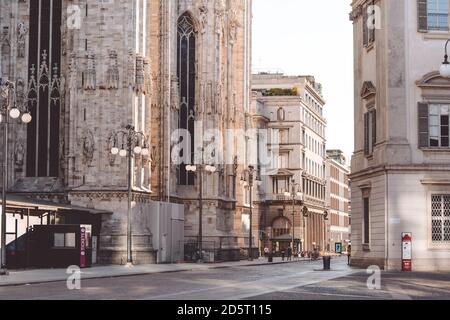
[(16, 278)]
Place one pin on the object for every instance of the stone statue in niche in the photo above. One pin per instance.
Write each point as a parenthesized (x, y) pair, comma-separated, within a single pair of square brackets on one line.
[(112, 74), (91, 74), (203, 13), (233, 26), (111, 143), (175, 89), (220, 11), (20, 93), (5, 42), (19, 156), (88, 147), (21, 39)]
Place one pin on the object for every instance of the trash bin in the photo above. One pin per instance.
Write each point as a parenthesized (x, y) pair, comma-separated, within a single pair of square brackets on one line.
[(326, 263), (270, 258)]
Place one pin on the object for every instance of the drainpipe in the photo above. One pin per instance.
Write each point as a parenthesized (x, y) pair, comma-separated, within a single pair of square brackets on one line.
[(386, 222)]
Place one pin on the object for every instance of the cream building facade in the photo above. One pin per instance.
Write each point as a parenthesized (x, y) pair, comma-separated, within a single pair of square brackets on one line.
[(400, 169), (86, 69), (338, 201), (291, 108)]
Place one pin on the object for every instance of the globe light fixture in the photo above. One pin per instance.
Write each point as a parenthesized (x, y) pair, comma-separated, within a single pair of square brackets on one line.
[(123, 153), (115, 151), (14, 113), (26, 118), (145, 152), (445, 67), (137, 150)]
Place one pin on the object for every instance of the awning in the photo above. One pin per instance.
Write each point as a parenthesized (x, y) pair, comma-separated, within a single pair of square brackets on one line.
[(23, 202)]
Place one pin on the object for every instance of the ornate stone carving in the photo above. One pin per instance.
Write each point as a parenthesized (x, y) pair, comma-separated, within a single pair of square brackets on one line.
[(20, 93), (131, 69), (112, 74), (233, 26), (356, 12), (91, 74), (220, 12), (73, 72), (88, 146), (203, 14), (5, 41), (22, 32), (148, 77), (19, 155), (110, 144), (140, 74), (175, 90)]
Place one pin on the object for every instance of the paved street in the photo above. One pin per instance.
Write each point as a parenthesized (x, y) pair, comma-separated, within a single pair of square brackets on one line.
[(394, 286), (297, 281), (226, 283)]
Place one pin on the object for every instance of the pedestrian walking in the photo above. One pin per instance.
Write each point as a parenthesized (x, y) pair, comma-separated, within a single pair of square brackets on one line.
[(289, 254), (283, 254), (266, 252), (349, 254)]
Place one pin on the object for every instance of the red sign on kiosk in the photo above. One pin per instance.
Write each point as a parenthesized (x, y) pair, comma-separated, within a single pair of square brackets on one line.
[(83, 248), (407, 252)]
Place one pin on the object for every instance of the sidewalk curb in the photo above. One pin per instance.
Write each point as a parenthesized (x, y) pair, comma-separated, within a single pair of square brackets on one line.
[(143, 273)]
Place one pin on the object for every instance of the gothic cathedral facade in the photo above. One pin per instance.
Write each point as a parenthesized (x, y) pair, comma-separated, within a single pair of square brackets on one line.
[(86, 69)]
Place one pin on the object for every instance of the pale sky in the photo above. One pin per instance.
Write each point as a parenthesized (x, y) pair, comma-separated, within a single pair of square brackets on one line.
[(311, 37)]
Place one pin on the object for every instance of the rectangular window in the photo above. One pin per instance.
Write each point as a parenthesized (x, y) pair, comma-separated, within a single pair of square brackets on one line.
[(64, 240), (370, 131), (366, 233), (280, 185), (438, 123), (283, 136), (247, 196), (283, 161), (437, 15), (440, 219), (369, 24)]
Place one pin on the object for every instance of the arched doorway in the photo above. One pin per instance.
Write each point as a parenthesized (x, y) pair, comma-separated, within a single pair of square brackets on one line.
[(281, 234)]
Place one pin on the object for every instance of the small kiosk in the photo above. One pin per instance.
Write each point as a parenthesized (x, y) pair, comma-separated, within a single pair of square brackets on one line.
[(43, 234)]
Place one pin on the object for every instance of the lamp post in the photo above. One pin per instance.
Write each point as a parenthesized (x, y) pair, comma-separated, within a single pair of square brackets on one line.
[(294, 194), (305, 214), (445, 67), (248, 180), (200, 169), (326, 213), (132, 144), (8, 109)]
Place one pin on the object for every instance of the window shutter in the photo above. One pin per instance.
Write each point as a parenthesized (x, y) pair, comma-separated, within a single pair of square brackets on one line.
[(424, 140), (374, 128), (365, 28), (373, 24), (366, 134), (422, 15)]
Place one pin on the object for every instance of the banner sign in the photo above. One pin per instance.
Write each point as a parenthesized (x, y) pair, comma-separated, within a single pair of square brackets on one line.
[(407, 252), (83, 248)]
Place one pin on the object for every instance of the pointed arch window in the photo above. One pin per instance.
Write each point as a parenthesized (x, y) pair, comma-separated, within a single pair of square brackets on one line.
[(186, 75)]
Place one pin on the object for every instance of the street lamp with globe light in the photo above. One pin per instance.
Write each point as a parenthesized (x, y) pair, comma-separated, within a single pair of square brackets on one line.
[(295, 194), (132, 143), (200, 170), (8, 109)]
